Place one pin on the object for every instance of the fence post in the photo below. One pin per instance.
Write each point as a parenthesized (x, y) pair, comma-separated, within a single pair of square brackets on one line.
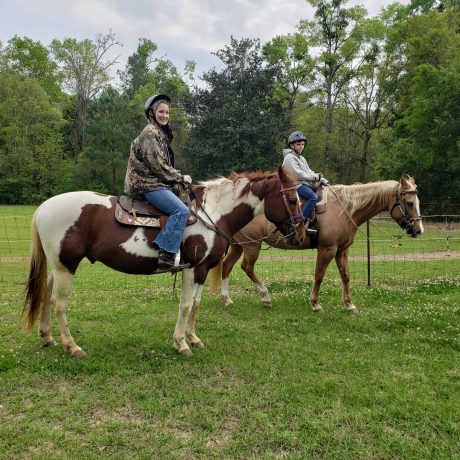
[(368, 254)]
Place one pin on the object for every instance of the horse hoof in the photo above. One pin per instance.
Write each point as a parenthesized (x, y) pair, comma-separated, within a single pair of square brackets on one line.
[(318, 310), (186, 352), (228, 302), (267, 304), (199, 344), (353, 311), (80, 353), (49, 343)]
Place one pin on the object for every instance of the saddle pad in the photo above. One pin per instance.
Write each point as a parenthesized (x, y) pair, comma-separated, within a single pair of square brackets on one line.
[(130, 211), (322, 202), (125, 217)]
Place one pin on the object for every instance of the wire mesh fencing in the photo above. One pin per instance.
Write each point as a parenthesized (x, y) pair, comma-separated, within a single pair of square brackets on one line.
[(380, 255)]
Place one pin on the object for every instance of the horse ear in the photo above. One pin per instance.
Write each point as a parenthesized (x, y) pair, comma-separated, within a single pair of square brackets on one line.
[(282, 173), (404, 181)]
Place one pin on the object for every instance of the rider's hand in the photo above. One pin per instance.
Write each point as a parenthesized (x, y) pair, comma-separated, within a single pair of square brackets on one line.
[(187, 179), (324, 181)]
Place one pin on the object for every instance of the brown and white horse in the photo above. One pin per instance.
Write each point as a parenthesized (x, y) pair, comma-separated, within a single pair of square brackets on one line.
[(68, 227), (348, 206)]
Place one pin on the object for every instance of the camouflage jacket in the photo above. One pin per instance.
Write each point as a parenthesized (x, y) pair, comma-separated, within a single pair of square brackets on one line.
[(149, 164)]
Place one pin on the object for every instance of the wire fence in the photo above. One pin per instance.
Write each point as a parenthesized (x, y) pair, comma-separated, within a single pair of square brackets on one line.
[(390, 257)]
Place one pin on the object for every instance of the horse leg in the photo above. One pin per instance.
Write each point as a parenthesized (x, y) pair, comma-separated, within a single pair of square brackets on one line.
[(188, 292), (251, 254), (234, 253), (45, 328), (61, 291), (341, 259), (190, 326), (323, 259)]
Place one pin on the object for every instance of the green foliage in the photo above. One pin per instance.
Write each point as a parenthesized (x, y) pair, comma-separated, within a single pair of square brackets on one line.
[(425, 140), (136, 73), (289, 54), (32, 164), (236, 122), (102, 164), (32, 60)]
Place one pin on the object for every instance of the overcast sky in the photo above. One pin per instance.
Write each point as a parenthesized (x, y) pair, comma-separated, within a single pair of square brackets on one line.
[(182, 29)]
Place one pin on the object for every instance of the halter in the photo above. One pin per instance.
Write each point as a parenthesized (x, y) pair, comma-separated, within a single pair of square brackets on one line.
[(406, 223)]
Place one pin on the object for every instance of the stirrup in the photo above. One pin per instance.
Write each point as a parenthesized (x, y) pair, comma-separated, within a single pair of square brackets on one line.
[(310, 231)]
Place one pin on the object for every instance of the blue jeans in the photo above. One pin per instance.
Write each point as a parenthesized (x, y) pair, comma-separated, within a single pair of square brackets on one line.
[(171, 234), (306, 192)]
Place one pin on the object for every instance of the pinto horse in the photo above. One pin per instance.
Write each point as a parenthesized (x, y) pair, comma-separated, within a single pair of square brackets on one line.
[(348, 206), (68, 227)]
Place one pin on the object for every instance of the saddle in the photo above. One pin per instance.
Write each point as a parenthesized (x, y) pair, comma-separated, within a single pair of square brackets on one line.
[(139, 212)]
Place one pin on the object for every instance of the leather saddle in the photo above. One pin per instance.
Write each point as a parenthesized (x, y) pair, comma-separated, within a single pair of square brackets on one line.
[(139, 212), (322, 199)]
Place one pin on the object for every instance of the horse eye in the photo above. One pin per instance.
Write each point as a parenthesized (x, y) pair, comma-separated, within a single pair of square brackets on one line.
[(410, 205), (293, 201)]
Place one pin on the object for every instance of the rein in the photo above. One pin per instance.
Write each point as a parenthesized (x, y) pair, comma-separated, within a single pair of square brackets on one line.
[(294, 219)]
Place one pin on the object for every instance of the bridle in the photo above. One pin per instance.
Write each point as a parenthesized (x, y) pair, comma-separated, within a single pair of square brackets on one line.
[(406, 222), (294, 219)]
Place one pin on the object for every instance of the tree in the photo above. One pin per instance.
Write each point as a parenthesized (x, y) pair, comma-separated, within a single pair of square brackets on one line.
[(102, 164), (289, 54), (236, 121), (332, 33), (32, 164), (32, 60), (136, 73), (425, 138), (86, 72), (370, 105)]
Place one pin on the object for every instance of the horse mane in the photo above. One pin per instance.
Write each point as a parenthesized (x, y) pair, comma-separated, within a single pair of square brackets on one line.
[(358, 196)]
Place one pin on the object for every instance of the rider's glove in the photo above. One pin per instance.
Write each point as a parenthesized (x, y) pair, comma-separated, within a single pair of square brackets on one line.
[(324, 181)]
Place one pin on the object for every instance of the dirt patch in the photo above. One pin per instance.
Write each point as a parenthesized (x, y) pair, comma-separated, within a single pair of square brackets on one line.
[(439, 255)]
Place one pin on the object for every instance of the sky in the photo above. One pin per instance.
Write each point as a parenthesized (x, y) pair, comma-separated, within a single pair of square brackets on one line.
[(182, 29)]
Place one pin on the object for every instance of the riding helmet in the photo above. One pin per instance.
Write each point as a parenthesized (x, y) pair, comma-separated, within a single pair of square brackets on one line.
[(152, 99), (296, 136)]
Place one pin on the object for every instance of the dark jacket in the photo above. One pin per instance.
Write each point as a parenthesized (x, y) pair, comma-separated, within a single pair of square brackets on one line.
[(151, 163)]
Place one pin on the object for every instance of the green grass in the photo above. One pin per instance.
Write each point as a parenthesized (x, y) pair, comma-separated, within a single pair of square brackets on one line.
[(270, 383)]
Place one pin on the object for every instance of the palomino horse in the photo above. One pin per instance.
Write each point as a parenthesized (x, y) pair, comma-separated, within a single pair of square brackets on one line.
[(348, 206), (71, 226)]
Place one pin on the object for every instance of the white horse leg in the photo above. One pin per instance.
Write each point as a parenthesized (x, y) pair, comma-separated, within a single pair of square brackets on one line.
[(45, 328), (341, 259), (61, 291), (323, 259), (188, 292), (264, 294), (225, 292), (190, 326)]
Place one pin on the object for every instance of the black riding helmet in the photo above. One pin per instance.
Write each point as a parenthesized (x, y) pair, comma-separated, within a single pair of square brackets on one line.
[(151, 100)]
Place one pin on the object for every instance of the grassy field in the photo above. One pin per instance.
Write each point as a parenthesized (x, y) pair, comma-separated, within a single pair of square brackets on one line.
[(270, 383)]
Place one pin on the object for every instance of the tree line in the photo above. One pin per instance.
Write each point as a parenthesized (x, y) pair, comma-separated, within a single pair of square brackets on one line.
[(376, 97)]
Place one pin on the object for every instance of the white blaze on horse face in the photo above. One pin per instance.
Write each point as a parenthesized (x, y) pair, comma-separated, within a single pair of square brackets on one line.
[(56, 215), (417, 210), (138, 245)]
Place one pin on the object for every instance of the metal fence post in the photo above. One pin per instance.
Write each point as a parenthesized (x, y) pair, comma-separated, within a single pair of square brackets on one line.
[(368, 254)]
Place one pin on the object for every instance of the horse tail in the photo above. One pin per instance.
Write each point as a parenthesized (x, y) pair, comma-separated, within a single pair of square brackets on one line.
[(215, 277), (36, 287)]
